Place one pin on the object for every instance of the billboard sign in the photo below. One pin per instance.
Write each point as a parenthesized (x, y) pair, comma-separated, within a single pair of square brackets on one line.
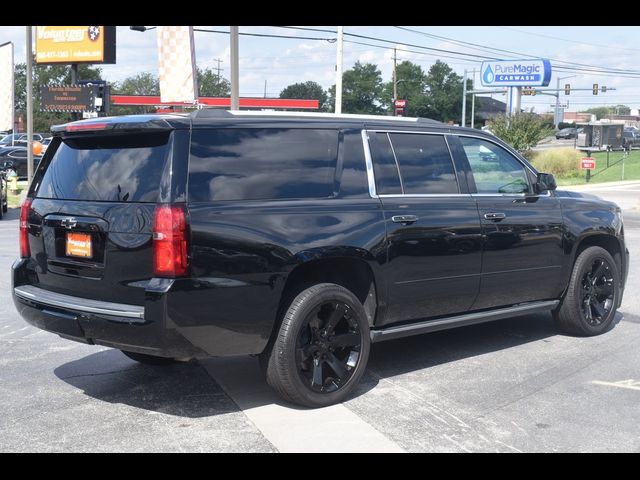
[(67, 98), (515, 73), (75, 44), (6, 87)]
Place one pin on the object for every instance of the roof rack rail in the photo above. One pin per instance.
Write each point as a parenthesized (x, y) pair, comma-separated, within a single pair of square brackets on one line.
[(211, 113), (220, 113)]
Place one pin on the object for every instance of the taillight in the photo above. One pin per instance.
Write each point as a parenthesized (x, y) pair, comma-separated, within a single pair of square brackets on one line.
[(170, 241), (25, 251)]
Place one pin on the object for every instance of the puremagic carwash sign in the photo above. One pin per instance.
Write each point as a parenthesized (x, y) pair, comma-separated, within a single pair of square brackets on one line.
[(516, 73)]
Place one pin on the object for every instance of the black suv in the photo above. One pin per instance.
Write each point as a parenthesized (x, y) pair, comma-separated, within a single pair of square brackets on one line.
[(301, 239)]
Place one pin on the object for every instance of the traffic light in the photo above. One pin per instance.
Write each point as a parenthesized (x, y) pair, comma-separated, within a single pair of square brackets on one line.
[(604, 89), (567, 88), (595, 88)]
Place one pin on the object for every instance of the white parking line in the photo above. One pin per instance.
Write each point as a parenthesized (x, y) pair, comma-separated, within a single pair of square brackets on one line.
[(291, 429), (630, 384)]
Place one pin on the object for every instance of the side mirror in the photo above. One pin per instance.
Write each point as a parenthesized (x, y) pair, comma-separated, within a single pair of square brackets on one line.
[(546, 181)]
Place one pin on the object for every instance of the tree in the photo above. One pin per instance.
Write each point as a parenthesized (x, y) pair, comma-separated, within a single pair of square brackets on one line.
[(521, 130), (444, 93), (46, 75), (603, 112), (144, 83), (212, 85), (411, 86), (361, 90), (308, 90)]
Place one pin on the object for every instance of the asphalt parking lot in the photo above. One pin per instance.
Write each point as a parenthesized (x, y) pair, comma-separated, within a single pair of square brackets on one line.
[(508, 386)]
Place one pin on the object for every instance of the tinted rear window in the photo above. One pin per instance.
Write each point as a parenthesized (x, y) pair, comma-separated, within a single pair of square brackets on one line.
[(425, 164), (118, 168), (260, 163)]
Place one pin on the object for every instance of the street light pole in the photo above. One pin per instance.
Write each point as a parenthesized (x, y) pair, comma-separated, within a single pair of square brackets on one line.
[(557, 114), (473, 99), (464, 99), (235, 69), (29, 106)]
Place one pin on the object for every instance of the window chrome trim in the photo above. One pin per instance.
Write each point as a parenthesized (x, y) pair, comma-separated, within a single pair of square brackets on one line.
[(369, 164), (423, 195), (46, 297)]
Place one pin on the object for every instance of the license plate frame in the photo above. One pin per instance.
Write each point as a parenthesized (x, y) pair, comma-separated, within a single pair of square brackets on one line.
[(78, 245)]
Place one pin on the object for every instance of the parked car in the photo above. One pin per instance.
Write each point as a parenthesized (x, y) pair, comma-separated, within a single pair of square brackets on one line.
[(45, 143), (301, 239), (567, 133), (11, 139), (15, 158), (4, 198), (630, 139)]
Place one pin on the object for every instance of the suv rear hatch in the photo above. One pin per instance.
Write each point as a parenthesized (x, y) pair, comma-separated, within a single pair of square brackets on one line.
[(92, 211)]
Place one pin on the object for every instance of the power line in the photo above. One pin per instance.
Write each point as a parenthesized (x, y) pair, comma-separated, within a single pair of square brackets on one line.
[(330, 40), (495, 49), (570, 41)]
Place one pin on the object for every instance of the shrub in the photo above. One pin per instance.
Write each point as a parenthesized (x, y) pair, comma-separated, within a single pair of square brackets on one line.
[(562, 125), (562, 162), (521, 130)]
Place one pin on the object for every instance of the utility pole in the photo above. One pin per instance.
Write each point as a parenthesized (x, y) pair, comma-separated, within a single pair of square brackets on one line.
[(74, 81), (464, 98), (235, 69), (339, 55), (265, 88), (395, 81), (218, 67), (29, 106)]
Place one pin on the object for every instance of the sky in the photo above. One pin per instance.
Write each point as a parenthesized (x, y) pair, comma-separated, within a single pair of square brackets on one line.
[(283, 61)]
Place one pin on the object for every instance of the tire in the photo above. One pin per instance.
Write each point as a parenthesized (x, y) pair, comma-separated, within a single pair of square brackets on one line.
[(589, 305), (149, 359), (305, 362)]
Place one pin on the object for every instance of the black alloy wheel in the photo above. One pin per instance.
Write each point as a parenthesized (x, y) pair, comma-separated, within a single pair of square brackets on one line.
[(590, 302), (328, 347), (598, 292), (320, 350)]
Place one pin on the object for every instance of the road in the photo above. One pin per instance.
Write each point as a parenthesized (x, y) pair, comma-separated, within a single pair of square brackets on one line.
[(508, 386)]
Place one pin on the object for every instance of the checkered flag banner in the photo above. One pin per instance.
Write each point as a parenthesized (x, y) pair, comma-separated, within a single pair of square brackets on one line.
[(177, 64), (6, 87)]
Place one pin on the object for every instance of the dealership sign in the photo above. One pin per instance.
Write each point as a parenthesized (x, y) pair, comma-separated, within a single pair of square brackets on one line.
[(515, 73), (67, 98), (76, 44)]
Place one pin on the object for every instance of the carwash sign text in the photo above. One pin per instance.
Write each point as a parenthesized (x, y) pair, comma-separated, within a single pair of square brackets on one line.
[(516, 73)]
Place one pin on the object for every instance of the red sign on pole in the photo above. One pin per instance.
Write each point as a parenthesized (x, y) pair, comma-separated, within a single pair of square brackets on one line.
[(588, 163), (400, 106)]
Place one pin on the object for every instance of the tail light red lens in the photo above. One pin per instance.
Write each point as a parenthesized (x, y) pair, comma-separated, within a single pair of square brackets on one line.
[(170, 241), (25, 250)]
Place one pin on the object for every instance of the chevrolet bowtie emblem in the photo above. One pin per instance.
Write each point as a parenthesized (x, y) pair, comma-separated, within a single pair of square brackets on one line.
[(69, 222)]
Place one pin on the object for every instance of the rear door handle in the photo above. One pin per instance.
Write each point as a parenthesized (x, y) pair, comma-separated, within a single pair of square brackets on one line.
[(495, 217), (404, 218)]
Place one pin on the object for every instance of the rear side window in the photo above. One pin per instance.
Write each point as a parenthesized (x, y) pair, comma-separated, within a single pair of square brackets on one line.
[(425, 163), (116, 168), (262, 163)]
